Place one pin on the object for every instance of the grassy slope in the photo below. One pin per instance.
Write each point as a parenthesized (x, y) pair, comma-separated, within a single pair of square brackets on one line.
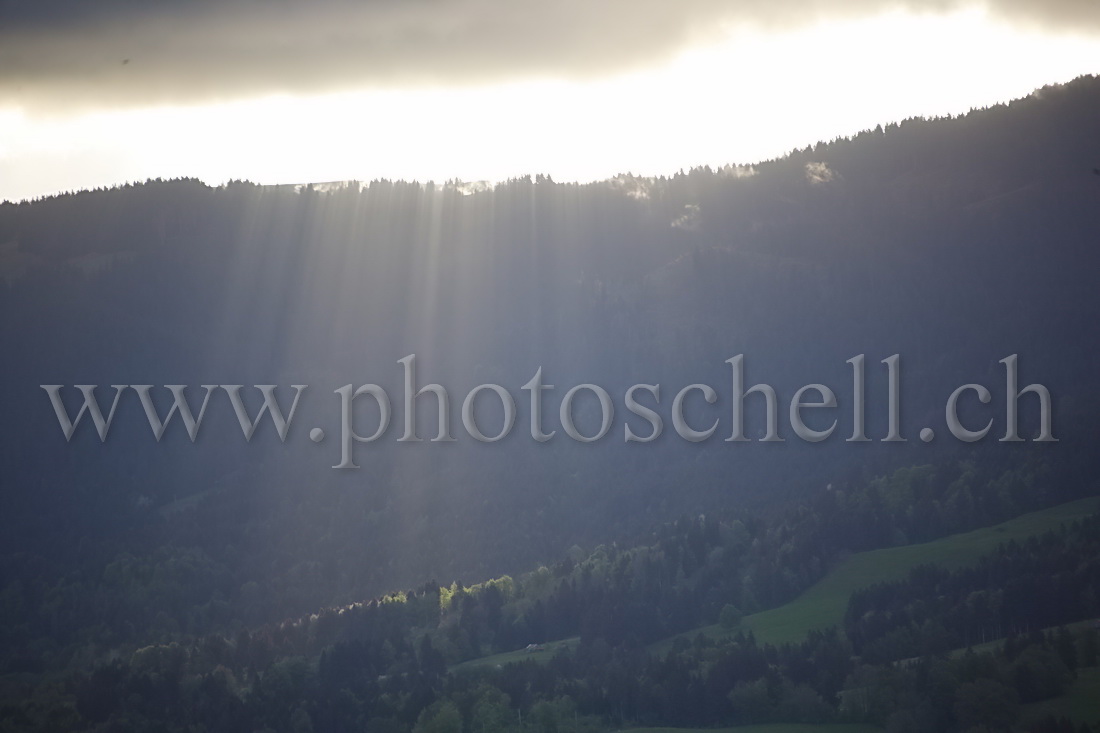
[(520, 655), (824, 604)]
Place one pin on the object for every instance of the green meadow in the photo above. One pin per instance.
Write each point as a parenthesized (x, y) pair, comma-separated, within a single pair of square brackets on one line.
[(824, 604)]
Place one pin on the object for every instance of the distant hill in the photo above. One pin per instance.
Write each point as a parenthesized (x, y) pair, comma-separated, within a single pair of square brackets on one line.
[(952, 242)]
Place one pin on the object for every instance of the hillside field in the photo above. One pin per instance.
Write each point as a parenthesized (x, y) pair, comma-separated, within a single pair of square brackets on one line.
[(825, 603)]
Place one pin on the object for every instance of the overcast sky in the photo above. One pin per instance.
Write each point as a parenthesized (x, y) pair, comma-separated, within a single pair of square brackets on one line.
[(95, 93)]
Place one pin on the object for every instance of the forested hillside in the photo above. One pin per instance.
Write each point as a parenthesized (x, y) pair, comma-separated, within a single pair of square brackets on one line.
[(395, 662), (164, 583)]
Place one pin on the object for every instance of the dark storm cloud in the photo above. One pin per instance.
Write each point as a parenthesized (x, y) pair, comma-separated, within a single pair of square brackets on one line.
[(129, 52)]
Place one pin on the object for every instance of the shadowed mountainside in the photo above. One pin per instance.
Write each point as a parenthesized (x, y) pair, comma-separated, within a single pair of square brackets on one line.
[(952, 242)]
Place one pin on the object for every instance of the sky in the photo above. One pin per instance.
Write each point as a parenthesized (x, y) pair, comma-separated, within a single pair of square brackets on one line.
[(275, 91)]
